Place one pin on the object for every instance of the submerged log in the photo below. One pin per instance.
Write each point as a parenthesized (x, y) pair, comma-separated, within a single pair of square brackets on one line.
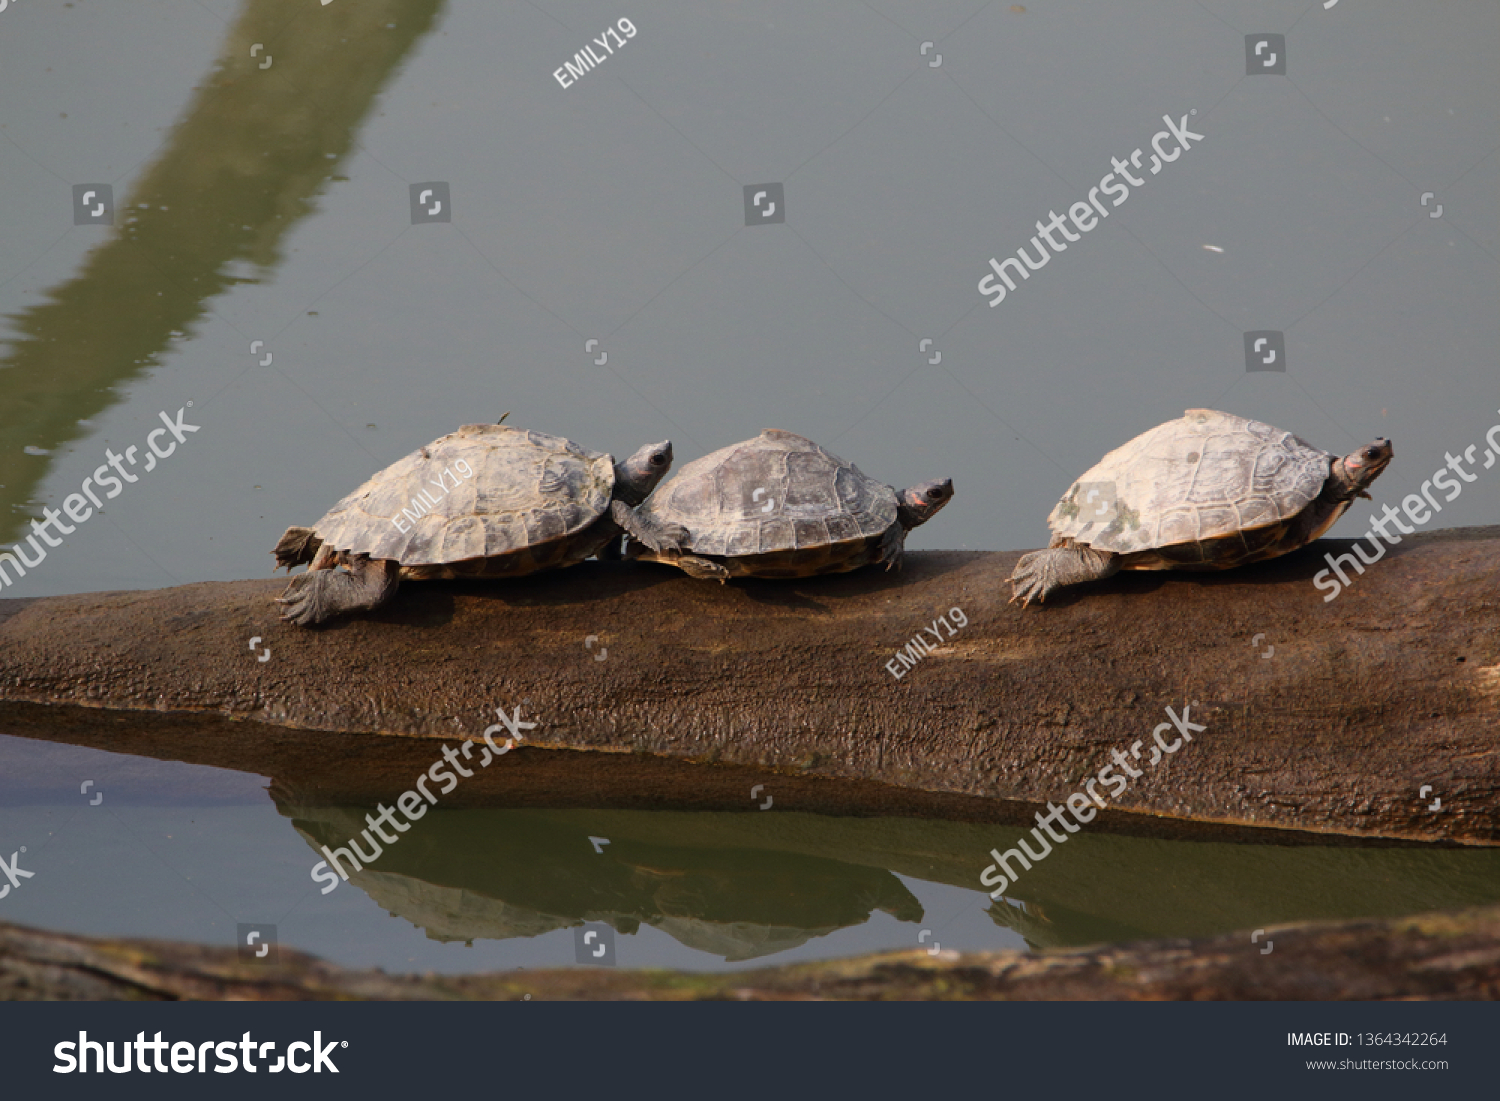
[(1454, 955), (1373, 715)]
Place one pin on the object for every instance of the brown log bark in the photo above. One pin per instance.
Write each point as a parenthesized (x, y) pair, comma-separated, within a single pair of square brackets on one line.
[(1446, 956), (1392, 686)]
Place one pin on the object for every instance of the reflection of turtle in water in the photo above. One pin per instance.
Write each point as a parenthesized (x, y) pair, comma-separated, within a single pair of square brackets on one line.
[(491, 873), (1206, 492), (485, 501), (781, 506)]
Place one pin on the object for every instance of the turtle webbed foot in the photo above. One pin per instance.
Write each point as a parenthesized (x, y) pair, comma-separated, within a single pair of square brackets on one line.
[(1040, 572), (1029, 580), (304, 598), (671, 538), (893, 547), (659, 536), (662, 538), (320, 595)]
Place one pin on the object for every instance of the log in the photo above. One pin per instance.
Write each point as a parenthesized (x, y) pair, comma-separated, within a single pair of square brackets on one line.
[(1424, 957), (1371, 716)]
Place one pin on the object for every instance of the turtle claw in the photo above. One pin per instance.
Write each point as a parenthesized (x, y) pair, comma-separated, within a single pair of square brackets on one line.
[(663, 538), (670, 538), (1040, 572), (660, 536), (893, 547), (1025, 595), (301, 601), (1028, 581), (319, 595)]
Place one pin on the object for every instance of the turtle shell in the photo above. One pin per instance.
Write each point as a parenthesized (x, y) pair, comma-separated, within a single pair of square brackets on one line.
[(777, 494), (1217, 488), (528, 495)]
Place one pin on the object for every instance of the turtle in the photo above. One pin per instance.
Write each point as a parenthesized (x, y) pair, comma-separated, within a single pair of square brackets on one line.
[(488, 500), (781, 506), (1209, 491)]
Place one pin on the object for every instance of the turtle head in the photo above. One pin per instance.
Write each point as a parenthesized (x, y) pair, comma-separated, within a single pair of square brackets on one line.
[(1352, 475), (921, 503), (637, 476)]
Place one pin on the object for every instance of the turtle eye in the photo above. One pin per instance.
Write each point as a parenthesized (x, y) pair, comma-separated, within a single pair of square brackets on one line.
[(659, 459)]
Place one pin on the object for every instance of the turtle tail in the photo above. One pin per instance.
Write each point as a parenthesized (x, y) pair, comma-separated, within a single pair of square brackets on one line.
[(297, 547)]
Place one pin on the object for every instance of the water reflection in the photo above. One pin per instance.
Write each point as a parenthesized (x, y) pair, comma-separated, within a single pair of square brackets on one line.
[(741, 885), (734, 884), (242, 167), (466, 874)]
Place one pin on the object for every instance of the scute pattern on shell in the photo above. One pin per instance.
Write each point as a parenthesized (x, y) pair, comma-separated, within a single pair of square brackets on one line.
[(815, 499), (1203, 477), (528, 489)]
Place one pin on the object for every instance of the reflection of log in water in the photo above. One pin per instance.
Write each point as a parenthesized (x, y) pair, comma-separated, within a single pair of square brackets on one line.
[(1430, 956), (747, 884), (240, 169)]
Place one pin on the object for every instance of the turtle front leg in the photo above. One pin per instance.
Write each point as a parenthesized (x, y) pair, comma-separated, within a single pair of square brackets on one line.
[(892, 547), (1042, 572), (661, 538), (318, 595)]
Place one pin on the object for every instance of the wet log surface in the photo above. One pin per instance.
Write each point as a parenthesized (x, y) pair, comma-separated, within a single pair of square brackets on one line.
[(1429, 956), (1365, 699)]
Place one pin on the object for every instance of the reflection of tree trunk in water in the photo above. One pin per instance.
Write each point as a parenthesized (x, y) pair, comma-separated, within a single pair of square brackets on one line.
[(239, 170)]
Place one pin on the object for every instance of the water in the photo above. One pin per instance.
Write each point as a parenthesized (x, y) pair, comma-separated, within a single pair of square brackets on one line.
[(264, 280), (192, 853)]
